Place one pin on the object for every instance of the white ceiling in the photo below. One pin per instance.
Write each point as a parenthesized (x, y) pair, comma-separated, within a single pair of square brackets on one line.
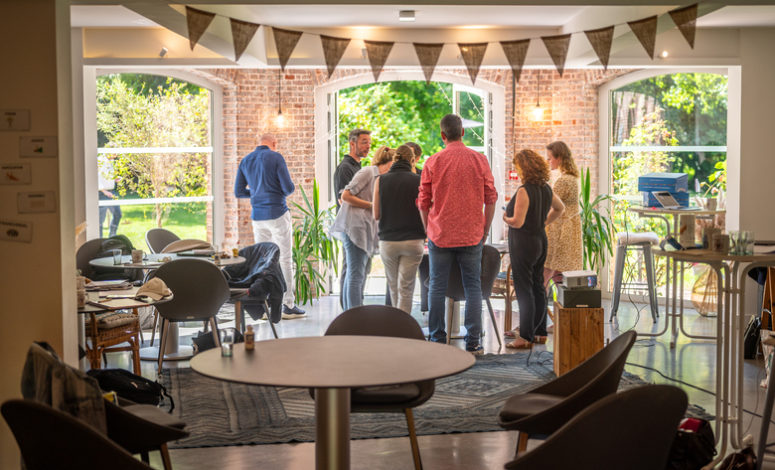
[(427, 16)]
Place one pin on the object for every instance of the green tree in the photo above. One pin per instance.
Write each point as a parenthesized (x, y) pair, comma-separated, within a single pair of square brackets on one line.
[(171, 116), (395, 112)]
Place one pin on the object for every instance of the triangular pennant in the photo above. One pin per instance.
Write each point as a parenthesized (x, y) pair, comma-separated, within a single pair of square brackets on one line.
[(601, 42), (197, 21), (558, 49), (646, 32), (428, 55), (285, 41), (473, 54), (241, 34), (686, 20), (333, 50), (378, 52), (516, 51)]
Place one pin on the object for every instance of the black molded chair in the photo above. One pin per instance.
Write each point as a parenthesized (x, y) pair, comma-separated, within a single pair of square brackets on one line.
[(491, 260), (158, 238), (633, 429), (50, 438), (93, 249), (381, 320), (543, 410), (199, 289)]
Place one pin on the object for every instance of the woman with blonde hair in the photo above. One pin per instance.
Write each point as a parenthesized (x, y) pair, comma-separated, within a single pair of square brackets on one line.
[(401, 232), (356, 227), (531, 208), (564, 251)]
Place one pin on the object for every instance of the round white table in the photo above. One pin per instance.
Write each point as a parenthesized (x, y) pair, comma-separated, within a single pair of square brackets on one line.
[(332, 365), (173, 351)]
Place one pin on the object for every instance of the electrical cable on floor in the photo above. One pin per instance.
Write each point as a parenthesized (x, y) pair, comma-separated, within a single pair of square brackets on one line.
[(752, 413)]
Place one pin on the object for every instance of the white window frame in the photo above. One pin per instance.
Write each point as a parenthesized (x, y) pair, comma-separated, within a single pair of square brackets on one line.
[(91, 150)]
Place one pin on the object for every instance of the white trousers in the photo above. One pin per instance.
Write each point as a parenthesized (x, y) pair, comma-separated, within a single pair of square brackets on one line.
[(401, 260), (280, 232)]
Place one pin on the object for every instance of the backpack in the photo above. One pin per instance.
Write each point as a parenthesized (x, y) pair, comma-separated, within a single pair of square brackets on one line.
[(693, 447), (131, 387)]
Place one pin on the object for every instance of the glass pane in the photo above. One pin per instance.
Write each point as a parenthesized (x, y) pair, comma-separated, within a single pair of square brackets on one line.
[(472, 111), (679, 109), (186, 220), (139, 110)]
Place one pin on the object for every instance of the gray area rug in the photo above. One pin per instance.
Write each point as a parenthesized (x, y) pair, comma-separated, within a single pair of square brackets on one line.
[(220, 413)]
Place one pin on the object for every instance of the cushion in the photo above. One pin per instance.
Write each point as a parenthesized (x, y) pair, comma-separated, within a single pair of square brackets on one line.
[(527, 404), (385, 394), (155, 415), (109, 320), (637, 238)]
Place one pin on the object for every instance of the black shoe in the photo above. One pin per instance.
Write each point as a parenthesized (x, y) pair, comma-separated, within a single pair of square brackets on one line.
[(476, 350), (292, 312)]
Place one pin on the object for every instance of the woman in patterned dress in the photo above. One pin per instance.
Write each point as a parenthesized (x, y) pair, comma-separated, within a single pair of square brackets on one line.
[(565, 247)]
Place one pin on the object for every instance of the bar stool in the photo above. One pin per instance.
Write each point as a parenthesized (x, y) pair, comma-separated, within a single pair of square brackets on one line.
[(643, 241)]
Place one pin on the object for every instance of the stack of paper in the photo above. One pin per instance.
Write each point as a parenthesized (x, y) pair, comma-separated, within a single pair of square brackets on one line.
[(108, 285)]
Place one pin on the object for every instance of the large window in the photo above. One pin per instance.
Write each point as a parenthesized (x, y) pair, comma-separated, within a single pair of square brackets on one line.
[(667, 123), (155, 156)]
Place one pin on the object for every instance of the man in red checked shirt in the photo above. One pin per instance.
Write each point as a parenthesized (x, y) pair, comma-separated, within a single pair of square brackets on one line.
[(457, 202)]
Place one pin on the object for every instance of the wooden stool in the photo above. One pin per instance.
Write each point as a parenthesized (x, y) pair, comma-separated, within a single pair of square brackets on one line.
[(578, 334)]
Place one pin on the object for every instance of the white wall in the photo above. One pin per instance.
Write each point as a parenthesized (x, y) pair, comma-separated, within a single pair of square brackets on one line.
[(757, 124), (37, 280)]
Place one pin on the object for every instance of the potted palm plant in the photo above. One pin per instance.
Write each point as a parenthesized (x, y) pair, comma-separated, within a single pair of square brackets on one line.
[(597, 229), (314, 250)]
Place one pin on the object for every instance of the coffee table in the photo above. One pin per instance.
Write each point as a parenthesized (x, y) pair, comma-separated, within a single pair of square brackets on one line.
[(332, 365)]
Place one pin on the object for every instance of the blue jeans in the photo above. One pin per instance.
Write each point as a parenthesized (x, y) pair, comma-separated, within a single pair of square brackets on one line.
[(355, 275), (470, 260)]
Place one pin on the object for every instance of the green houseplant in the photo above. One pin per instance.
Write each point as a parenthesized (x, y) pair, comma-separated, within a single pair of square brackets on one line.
[(597, 229), (314, 250)]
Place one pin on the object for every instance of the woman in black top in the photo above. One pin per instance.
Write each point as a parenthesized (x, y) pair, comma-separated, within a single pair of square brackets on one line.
[(532, 207), (401, 232)]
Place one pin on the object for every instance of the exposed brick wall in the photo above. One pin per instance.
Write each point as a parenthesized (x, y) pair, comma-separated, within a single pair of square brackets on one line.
[(250, 100)]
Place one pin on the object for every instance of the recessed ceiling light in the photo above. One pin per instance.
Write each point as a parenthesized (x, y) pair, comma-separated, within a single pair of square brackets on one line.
[(664, 54), (406, 15)]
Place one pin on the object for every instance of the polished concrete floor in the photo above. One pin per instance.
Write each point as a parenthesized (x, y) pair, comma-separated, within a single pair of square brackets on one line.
[(691, 361)]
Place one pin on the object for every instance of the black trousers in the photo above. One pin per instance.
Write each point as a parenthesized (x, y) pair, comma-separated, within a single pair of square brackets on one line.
[(528, 254)]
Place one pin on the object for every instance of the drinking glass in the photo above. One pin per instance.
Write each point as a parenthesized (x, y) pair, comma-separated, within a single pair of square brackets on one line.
[(227, 341), (746, 241), (117, 257)]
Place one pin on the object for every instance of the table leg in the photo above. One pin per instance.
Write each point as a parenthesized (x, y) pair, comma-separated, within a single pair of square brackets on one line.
[(173, 351), (332, 433)]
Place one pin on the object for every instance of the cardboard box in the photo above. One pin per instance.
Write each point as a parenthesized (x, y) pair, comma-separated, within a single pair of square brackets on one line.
[(673, 182)]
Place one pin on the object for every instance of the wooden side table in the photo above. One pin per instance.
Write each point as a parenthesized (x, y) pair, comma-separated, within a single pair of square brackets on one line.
[(578, 334)]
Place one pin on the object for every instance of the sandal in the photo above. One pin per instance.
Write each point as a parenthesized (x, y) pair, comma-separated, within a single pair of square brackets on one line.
[(511, 333), (539, 340), (519, 344)]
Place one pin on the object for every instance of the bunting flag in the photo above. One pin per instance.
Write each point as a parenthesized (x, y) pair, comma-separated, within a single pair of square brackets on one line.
[(285, 42), (378, 52), (428, 55), (516, 51), (333, 50), (601, 42), (241, 33), (686, 20), (473, 54), (646, 32), (197, 21), (558, 49)]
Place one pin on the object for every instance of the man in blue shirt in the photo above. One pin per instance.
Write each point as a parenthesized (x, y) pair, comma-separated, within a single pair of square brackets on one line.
[(263, 177)]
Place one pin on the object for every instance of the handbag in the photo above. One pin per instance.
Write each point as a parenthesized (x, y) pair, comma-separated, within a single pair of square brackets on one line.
[(693, 447), (131, 386), (743, 460)]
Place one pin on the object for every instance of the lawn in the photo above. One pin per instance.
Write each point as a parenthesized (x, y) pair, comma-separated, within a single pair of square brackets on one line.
[(186, 221)]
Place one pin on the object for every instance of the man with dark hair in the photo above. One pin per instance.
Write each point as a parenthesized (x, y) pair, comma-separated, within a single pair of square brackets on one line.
[(360, 144), (457, 202), (263, 177)]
